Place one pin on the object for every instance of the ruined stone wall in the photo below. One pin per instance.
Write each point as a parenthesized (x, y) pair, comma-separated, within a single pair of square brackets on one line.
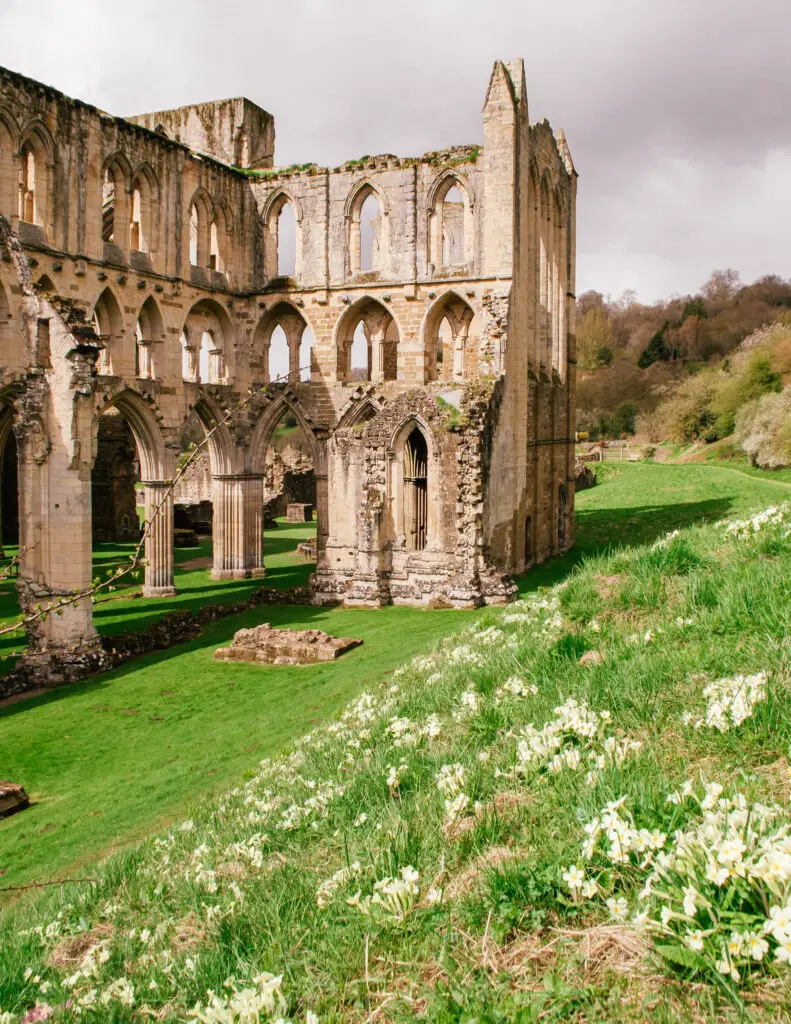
[(476, 349), (235, 131)]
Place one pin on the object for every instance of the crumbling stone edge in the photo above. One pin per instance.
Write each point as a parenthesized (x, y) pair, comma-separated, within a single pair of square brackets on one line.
[(57, 668)]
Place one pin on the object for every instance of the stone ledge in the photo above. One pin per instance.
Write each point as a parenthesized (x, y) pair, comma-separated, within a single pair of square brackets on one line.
[(263, 645)]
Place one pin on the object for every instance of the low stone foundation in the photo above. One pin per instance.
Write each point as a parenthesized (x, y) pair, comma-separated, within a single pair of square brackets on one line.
[(50, 669), (264, 645)]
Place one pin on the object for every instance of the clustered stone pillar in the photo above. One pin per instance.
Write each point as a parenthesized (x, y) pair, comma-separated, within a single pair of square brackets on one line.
[(237, 527), (159, 580)]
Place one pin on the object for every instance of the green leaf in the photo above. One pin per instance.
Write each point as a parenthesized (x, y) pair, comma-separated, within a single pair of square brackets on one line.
[(682, 956)]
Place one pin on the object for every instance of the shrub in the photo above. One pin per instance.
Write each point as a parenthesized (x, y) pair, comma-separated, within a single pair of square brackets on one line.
[(763, 429)]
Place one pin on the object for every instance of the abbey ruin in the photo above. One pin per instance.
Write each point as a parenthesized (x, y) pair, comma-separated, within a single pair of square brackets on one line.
[(423, 309)]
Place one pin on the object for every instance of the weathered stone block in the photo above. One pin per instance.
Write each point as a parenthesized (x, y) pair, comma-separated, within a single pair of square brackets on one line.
[(13, 798), (264, 645), (299, 513)]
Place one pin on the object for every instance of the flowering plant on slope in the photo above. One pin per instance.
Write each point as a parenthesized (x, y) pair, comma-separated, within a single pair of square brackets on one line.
[(716, 893), (577, 737), (730, 702)]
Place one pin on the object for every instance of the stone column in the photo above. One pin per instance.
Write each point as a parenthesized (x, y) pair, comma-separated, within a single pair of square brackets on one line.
[(237, 527), (159, 541), (377, 336), (144, 360), (459, 351)]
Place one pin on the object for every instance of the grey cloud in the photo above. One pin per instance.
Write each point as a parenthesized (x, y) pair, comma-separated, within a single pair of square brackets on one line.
[(675, 112)]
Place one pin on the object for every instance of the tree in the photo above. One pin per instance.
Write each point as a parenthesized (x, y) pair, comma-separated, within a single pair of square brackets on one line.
[(655, 349), (594, 339)]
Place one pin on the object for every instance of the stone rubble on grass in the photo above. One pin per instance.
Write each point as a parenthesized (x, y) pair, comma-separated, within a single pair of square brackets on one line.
[(13, 798), (264, 645)]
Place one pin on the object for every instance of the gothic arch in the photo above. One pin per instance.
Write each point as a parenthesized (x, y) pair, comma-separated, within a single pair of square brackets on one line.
[(114, 191), (355, 200), (200, 216), (149, 339), (360, 408), (208, 329), (277, 200), (269, 419), (270, 220), (294, 324), (35, 198), (144, 200), (382, 331), (222, 451), (460, 316), (146, 430), (437, 225), (38, 130), (413, 475), (8, 178), (109, 321)]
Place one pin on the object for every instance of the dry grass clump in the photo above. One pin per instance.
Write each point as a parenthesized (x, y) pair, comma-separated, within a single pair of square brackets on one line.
[(74, 948)]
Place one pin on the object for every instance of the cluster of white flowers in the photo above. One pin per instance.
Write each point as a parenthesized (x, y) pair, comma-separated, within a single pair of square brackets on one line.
[(514, 687), (314, 807), (542, 613), (468, 705), (575, 738), (729, 702), (250, 850), (395, 776), (465, 654), (326, 891), (258, 1001), (450, 782), (393, 899), (741, 529), (406, 733), (663, 542), (721, 886)]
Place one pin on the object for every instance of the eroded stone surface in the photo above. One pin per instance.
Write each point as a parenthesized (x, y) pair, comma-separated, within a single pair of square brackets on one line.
[(264, 645), (13, 798)]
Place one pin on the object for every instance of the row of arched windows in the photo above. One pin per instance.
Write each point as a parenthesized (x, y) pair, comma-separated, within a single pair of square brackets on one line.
[(367, 342), (449, 237), (129, 199)]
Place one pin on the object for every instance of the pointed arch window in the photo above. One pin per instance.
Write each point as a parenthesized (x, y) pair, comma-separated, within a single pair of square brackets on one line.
[(450, 225), (416, 490), (282, 238), (367, 232), (28, 204)]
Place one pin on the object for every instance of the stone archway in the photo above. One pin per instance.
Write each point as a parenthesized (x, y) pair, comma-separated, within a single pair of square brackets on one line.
[(156, 473)]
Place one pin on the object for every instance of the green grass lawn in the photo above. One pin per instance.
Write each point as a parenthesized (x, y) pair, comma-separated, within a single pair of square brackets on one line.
[(423, 857), (109, 760)]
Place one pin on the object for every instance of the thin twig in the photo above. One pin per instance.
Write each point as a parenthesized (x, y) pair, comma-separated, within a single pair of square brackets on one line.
[(41, 885), (484, 950), (136, 559)]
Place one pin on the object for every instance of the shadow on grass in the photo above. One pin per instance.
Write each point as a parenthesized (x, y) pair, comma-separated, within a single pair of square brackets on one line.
[(599, 531), (604, 531)]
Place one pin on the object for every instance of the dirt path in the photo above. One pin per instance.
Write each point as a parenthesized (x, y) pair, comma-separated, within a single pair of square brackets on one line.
[(738, 472)]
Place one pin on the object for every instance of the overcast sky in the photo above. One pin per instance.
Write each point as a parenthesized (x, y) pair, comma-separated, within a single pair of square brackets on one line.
[(678, 113)]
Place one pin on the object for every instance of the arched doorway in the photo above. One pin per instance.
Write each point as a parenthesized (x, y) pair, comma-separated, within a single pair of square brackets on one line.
[(416, 490), (130, 491)]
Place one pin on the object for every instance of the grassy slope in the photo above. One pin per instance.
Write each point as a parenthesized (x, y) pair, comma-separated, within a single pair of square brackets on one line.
[(502, 942), (110, 759)]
